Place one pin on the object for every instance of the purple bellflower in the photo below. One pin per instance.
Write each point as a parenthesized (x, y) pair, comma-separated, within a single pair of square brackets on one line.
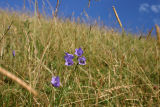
[(78, 52), (55, 81), (68, 56), (69, 62), (13, 52), (82, 60)]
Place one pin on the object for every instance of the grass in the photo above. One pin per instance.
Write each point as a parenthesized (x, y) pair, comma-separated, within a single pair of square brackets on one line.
[(120, 70)]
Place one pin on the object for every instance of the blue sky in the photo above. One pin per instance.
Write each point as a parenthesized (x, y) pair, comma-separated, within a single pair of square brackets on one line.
[(135, 15)]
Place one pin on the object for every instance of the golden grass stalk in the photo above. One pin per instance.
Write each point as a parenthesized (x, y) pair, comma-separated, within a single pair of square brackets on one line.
[(89, 3), (19, 81), (158, 33), (56, 11), (6, 31), (24, 5), (149, 33), (115, 12)]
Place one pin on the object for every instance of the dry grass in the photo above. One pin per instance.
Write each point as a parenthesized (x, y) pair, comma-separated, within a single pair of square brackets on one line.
[(19, 81), (158, 33), (120, 70)]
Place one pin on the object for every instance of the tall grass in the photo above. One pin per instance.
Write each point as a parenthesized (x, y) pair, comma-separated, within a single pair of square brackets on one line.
[(120, 70)]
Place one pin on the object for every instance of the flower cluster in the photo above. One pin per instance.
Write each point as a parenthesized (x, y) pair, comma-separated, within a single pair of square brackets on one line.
[(69, 58), (69, 61)]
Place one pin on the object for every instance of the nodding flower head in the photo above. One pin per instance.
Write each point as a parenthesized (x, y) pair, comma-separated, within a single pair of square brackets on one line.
[(78, 52), (55, 81), (69, 59), (69, 62), (68, 56), (82, 60), (13, 53)]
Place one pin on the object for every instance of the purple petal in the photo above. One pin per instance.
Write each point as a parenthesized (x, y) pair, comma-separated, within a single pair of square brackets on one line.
[(82, 60), (78, 52), (69, 62), (13, 52), (68, 56), (55, 81)]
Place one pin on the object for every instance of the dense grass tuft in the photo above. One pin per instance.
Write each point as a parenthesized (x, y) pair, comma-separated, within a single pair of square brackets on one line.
[(120, 70)]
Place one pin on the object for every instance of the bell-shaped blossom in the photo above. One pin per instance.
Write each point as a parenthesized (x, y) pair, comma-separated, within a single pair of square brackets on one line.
[(69, 62), (13, 53), (68, 56), (78, 52), (82, 60), (55, 81)]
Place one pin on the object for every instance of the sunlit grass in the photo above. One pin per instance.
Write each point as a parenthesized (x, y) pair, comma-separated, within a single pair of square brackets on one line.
[(120, 70)]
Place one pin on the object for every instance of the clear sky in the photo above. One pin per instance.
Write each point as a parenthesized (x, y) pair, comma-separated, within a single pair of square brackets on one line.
[(135, 15)]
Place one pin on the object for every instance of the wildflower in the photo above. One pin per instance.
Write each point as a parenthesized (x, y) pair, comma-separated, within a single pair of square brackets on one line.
[(78, 52), (69, 62), (82, 60), (68, 56), (55, 81), (13, 52)]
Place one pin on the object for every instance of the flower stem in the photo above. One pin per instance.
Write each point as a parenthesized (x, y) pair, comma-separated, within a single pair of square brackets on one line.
[(76, 66)]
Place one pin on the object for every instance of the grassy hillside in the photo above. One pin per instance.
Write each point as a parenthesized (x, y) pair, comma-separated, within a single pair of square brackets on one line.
[(120, 69)]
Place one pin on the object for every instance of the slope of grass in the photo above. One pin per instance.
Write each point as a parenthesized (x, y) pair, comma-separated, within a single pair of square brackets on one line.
[(120, 70)]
